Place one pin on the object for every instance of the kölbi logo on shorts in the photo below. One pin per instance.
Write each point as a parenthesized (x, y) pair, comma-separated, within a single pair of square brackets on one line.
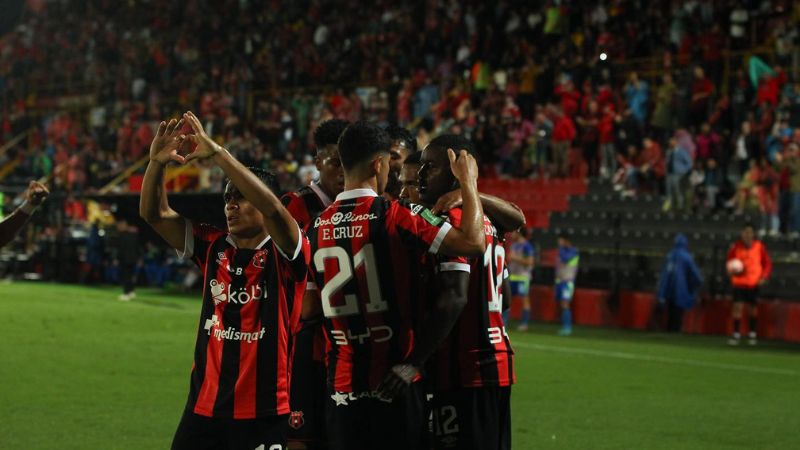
[(223, 293)]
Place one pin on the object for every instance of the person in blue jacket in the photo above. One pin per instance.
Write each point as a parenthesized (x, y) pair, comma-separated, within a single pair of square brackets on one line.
[(680, 280)]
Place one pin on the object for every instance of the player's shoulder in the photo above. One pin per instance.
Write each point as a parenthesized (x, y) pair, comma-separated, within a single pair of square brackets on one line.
[(207, 231), (417, 211)]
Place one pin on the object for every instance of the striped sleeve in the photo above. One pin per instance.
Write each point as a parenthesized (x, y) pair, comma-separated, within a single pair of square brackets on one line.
[(418, 226), (199, 238)]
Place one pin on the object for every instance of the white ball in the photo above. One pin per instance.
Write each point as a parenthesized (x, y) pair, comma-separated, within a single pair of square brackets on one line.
[(735, 266)]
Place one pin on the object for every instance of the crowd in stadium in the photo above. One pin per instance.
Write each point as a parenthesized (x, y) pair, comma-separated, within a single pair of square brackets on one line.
[(550, 103)]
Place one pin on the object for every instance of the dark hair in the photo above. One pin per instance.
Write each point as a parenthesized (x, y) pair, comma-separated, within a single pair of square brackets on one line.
[(414, 158), (266, 177), (398, 133), (748, 224), (455, 141), (361, 141), (328, 132)]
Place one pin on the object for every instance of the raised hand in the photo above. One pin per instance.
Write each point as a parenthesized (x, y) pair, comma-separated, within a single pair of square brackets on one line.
[(36, 193), (464, 168), (206, 147), (165, 146)]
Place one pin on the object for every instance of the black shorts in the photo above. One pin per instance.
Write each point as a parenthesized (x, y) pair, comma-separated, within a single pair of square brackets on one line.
[(472, 418), (749, 296), (306, 422), (196, 432), (362, 421)]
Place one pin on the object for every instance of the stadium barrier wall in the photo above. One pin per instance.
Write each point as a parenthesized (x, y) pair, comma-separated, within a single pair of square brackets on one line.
[(778, 319)]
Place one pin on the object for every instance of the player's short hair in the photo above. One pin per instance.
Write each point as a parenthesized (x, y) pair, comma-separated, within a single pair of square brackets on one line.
[(748, 224), (328, 132), (455, 141), (266, 177), (414, 158), (360, 142), (398, 133)]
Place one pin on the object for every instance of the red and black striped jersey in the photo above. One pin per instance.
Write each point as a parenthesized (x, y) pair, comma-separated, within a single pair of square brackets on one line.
[(306, 203), (252, 299), (477, 352), (366, 262)]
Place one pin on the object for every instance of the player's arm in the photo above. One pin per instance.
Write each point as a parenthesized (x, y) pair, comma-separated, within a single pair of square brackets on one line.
[(505, 215), (442, 317), (312, 306), (34, 197), (153, 205), (469, 239), (281, 225), (506, 291)]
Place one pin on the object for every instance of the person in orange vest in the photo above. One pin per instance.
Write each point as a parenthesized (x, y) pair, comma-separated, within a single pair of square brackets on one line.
[(749, 266)]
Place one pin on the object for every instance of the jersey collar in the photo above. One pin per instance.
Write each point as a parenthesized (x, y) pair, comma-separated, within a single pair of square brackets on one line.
[(323, 197), (355, 193), (229, 240)]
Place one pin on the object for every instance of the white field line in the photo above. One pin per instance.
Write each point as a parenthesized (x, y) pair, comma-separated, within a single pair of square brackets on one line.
[(657, 359)]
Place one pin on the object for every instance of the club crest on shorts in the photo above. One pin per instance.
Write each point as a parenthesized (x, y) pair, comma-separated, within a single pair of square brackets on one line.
[(296, 419)]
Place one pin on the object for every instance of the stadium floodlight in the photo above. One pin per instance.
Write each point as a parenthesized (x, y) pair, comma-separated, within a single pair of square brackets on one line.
[(603, 57)]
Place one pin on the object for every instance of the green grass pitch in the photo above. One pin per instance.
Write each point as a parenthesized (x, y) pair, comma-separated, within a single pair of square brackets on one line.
[(81, 370)]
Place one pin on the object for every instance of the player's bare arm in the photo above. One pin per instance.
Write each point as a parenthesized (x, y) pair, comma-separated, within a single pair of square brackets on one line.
[(153, 205), (279, 222), (35, 195), (506, 216), (443, 315), (469, 240), (312, 308)]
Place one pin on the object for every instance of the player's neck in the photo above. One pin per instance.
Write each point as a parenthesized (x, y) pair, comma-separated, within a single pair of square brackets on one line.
[(250, 242), (362, 183)]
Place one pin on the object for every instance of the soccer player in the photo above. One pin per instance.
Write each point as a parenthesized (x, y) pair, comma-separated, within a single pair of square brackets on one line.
[(566, 271), (403, 145), (365, 254), (35, 195), (306, 425), (409, 181), (255, 275), (472, 371), (756, 267), (520, 265)]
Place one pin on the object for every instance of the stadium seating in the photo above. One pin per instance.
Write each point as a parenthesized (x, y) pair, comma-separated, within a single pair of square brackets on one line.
[(623, 243)]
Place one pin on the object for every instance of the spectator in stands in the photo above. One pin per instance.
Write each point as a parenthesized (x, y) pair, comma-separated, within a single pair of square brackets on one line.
[(678, 164), (767, 186), (713, 183), (708, 143), (567, 262), (563, 135), (127, 251), (679, 282), (663, 115), (589, 122), (746, 148), (637, 94), (34, 196), (790, 163), (520, 268), (749, 266), (697, 186), (702, 88), (608, 151)]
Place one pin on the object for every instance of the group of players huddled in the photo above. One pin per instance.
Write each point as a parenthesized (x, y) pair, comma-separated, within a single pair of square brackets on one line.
[(361, 312)]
